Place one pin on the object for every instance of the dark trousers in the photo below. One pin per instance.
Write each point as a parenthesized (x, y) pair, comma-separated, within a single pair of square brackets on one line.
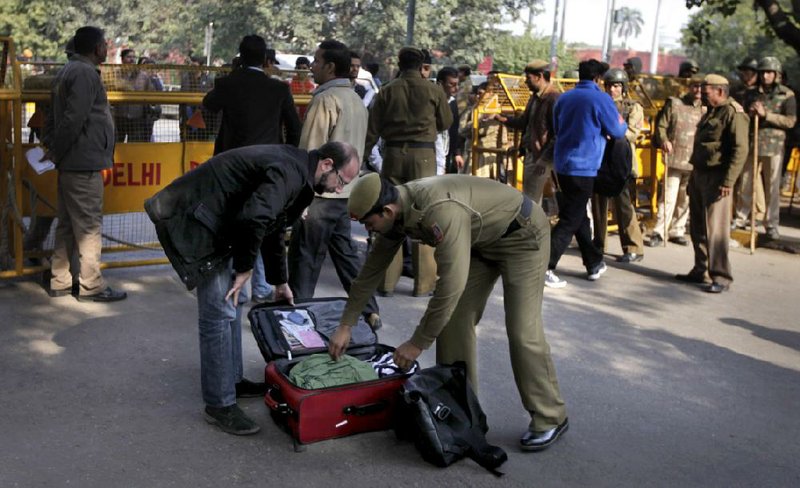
[(630, 234), (325, 229), (709, 225), (573, 220)]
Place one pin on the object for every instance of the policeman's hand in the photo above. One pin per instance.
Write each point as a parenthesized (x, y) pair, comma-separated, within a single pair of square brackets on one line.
[(405, 355), (47, 156), (284, 293), (757, 108), (724, 191), (239, 281), (666, 146), (459, 162), (339, 342)]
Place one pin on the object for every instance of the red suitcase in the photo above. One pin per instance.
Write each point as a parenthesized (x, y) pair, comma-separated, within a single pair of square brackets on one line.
[(325, 413)]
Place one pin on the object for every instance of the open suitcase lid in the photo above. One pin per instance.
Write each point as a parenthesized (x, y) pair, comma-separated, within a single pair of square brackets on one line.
[(324, 313)]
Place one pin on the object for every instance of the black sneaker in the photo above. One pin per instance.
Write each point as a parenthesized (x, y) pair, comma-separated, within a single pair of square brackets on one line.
[(250, 389), (231, 420), (655, 241)]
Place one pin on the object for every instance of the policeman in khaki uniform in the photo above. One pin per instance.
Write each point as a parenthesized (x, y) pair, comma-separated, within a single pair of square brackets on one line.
[(720, 150), (480, 229), (676, 125), (776, 108), (615, 82), (408, 113)]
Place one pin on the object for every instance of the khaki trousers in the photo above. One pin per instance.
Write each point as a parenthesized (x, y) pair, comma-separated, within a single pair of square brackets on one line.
[(401, 165), (630, 234), (709, 225), (521, 260), (768, 190), (79, 227), (677, 208), (534, 177)]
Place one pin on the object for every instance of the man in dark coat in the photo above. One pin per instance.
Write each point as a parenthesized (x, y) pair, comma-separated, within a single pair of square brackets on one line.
[(255, 108), (212, 222)]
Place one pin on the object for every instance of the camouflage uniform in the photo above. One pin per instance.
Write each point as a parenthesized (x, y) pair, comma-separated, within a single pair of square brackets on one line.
[(630, 234), (677, 123), (781, 106)]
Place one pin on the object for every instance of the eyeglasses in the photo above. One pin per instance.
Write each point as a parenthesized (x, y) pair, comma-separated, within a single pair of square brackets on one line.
[(339, 181)]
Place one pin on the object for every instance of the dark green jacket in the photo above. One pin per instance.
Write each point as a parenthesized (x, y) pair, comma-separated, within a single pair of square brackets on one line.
[(721, 141)]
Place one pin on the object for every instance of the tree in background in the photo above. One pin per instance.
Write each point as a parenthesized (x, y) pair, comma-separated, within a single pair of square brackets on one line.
[(719, 39), (785, 24), (512, 53), (464, 29), (629, 23)]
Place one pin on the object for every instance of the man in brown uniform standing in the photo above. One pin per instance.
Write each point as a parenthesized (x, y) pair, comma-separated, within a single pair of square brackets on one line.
[(408, 113), (720, 150)]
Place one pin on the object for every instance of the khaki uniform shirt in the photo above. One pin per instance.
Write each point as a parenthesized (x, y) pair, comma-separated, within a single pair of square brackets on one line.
[(408, 109), (452, 213), (632, 113), (781, 107), (677, 123), (336, 113), (721, 140), (537, 121)]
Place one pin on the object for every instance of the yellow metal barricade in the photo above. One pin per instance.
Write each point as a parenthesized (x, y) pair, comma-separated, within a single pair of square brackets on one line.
[(161, 130)]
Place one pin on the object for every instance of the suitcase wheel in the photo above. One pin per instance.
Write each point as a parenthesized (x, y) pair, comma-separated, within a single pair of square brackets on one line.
[(298, 447)]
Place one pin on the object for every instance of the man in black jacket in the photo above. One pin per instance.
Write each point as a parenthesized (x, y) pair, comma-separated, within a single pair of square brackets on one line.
[(255, 108), (212, 222)]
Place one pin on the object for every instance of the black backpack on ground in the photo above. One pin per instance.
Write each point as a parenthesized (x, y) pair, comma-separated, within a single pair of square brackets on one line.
[(441, 413), (615, 170)]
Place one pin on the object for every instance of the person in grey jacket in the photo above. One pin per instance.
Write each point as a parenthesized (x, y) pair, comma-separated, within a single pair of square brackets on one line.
[(79, 137), (212, 221)]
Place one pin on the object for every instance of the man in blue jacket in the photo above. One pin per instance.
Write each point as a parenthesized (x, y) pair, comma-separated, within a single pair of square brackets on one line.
[(583, 118)]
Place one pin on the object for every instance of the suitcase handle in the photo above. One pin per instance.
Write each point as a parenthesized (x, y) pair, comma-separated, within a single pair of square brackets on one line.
[(368, 409), (281, 408)]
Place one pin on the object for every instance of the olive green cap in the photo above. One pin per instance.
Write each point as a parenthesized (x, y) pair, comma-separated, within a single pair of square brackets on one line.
[(411, 52), (537, 65), (364, 195), (713, 79)]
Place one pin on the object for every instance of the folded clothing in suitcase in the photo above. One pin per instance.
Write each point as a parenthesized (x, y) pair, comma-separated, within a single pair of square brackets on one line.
[(312, 415)]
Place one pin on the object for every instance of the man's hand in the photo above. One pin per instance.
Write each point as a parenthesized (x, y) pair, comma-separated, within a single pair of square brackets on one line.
[(238, 282), (499, 118), (405, 355), (459, 159), (666, 146), (283, 292), (757, 108), (724, 191), (47, 156), (339, 342)]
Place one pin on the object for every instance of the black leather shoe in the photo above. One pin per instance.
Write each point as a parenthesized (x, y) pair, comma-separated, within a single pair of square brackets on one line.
[(655, 241), (107, 295), (59, 293), (538, 441), (250, 389), (630, 257), (690, 278), (231, 420), (716, 288), (679, 240)]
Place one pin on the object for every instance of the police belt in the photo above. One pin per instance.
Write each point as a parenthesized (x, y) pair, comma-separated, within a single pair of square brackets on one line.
[(414, 145), (522, 218)]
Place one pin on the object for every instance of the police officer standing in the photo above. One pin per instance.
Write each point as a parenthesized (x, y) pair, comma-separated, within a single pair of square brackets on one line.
[(776, 108), (630, 234), (720, 151), (481, 230), (676, 125), (408, 113)]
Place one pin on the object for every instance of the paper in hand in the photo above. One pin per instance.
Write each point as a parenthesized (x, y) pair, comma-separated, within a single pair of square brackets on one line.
[(33, 156)]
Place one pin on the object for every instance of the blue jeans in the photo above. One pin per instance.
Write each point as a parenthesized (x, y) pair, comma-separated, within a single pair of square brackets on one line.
[(220, 325), (259, 279)]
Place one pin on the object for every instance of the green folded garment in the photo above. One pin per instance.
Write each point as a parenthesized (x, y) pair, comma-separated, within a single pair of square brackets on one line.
[(320, 371)]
